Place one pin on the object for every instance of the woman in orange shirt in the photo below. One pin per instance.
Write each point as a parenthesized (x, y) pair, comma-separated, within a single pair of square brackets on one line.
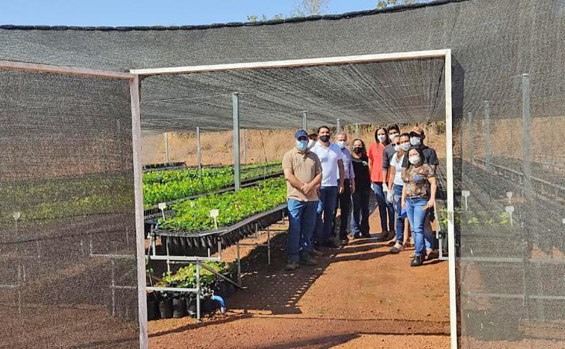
[(375, 155)]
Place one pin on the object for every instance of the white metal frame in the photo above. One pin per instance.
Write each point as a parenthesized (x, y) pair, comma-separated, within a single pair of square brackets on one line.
[(373, 58), (136, 140)]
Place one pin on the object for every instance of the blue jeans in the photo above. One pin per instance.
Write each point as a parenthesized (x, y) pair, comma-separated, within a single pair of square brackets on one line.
[(327, 206), (386, 210), (302, 221), (417, 215), (360, 217), (397, 201)]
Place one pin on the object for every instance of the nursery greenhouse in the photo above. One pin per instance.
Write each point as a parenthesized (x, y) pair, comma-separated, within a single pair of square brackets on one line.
[(76, 100)]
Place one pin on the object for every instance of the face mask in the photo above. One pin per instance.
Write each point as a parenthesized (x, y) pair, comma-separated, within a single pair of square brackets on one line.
[(414, 160), (325, 138), (392, 136), (358, 150), (341, 144), (405, 146), (381, 138), (311, 143), (301, 145), (396, 147), (415, 140)]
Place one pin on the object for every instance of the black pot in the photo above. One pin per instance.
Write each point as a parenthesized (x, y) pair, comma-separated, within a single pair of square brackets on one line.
[(166, 308), (179, 307), (191, 305), (152, 308)]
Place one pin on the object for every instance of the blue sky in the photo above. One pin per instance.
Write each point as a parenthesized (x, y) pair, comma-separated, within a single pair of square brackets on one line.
[(146, 12)]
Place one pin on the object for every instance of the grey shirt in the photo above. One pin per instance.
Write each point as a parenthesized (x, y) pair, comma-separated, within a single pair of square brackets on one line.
[(388, 152)]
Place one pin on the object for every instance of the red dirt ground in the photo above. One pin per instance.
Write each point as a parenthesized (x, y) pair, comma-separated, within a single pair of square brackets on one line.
[(357, 297)]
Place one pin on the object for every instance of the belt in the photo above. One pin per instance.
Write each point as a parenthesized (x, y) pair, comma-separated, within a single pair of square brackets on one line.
[(416, 197)]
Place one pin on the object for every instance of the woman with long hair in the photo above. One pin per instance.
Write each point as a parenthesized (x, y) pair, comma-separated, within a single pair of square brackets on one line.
[(360, 217), (418, 195), (375, 155)]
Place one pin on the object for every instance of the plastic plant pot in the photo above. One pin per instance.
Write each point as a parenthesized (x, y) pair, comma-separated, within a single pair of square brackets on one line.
[(179, 307), (166, 308)]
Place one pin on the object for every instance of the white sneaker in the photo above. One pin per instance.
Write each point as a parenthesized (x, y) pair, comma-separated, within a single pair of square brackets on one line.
[(397, 248)]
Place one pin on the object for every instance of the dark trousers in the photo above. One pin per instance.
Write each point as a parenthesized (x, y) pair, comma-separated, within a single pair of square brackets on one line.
[(360, 221), (345, 207)]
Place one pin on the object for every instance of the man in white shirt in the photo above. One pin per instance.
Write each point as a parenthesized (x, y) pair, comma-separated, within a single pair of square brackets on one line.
[(331, 157)]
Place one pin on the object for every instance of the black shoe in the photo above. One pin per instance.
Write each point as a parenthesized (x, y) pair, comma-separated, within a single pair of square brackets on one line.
[(344, 242), (316, 252), (417, 261), (356, 236), (306, 259), (382, 237), (367, 236)]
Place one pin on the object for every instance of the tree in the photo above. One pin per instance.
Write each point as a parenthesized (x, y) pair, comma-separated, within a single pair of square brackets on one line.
[(302, 8), (391, 3)]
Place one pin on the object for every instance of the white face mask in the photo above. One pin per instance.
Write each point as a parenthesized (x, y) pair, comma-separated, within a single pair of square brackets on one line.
[(396, 147), (392, 136), (311, 143), (341, 144), (405, 146), (381, 138), (415, 160), (415, 140)]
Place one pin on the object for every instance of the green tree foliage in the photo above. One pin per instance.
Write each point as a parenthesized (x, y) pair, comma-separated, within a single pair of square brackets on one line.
[(302, 8), (391, 3)]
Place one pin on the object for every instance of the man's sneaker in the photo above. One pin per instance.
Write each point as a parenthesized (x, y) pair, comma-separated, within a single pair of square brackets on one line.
[(356, 236), (367, 236), (306, 259), (330, 244), (417, 261), (397, 248), (291, 266), (392, 242)]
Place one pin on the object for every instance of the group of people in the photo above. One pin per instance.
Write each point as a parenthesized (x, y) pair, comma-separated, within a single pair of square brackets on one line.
[(323, 175)]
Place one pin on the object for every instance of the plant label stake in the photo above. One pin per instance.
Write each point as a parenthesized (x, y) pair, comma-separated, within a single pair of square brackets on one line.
[(510, 210), (466, 194), (162, 207), (509, 196), (214, 214)]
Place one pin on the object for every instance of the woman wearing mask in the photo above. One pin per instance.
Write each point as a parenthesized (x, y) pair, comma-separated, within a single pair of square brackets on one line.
[(360, 162), (418, 195), (375, 155), (395, 185)]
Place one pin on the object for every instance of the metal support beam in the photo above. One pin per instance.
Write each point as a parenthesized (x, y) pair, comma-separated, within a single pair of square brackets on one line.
[(356, 130), (236, 159), (338, 126), (526, 139), (305, 120), (167, 157), (244, 146), (450, 200), (488, 150), (470, 141), (198, 149)]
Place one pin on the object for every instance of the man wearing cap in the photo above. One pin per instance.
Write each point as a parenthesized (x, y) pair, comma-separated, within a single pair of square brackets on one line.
[(303, 173), (430, 157)]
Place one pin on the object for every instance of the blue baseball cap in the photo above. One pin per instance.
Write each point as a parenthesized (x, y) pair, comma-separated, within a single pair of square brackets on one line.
[(300, 133)]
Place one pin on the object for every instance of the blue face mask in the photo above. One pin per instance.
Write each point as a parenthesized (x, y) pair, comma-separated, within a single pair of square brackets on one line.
[(301, 145)]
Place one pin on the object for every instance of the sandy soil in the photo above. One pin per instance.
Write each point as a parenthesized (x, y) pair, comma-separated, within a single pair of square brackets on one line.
[(358, 296)]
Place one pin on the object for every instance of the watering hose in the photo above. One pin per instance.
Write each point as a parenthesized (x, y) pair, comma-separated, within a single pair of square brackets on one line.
[(221, 301)]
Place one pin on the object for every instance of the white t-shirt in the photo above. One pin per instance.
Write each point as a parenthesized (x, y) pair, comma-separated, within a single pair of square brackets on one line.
[(398, 166), (328, 157)]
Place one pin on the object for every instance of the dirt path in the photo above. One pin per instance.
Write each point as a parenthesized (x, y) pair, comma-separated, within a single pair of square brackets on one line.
[(357, 297)]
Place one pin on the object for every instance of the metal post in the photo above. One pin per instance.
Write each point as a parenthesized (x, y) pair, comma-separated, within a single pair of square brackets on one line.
[(527, 127), (236, 159), (198, 149), (305, 120), (198, 291), (470, 140), (269, 245), (356, 130), (244, 146), (166, 137), (488, 151), (238, 263), (338, 126)]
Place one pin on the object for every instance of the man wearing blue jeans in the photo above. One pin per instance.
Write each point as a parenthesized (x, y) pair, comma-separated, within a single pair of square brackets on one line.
[(331, 158), (303, 173)]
